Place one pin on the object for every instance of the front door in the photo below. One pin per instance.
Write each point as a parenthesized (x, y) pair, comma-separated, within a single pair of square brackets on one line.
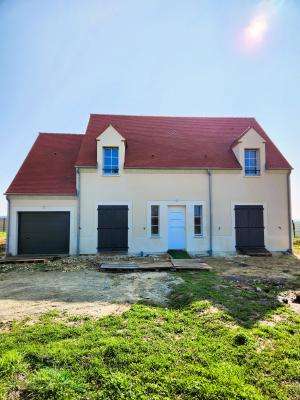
[(176, 228), (249, 226), (113, 228)]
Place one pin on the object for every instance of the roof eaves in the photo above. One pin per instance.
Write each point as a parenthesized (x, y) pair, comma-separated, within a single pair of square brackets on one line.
[(40, 194), (188, 168)]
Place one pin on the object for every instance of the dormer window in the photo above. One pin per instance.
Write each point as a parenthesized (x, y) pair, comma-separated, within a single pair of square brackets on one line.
[(252, 162), (110, 161)]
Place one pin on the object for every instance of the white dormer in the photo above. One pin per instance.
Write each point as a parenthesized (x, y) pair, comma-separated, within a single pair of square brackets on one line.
[(110, 152), (250, 151)]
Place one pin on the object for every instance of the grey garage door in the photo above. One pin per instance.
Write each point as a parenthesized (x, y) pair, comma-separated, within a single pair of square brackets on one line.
[(249, 226), (44, 233), (113, 228)]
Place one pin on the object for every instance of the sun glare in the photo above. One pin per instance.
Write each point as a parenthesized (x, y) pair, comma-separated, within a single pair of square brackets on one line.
[(257, 29)]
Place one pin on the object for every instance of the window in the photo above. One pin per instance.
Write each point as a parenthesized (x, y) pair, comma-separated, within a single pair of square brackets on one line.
[(252, 162), (110, 160), (154, 220), (198, 220)]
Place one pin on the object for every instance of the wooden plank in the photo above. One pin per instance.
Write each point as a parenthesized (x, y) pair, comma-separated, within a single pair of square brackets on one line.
[(21, 260), (190, 264), (160, 266)]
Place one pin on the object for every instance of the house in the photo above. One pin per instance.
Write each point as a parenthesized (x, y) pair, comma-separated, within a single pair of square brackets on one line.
[(297, 228), (149, 184), (2, 224)]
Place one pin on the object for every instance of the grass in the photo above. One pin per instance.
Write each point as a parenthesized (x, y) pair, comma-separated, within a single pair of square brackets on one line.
[(207, 345), (179, 254), (297, 244)]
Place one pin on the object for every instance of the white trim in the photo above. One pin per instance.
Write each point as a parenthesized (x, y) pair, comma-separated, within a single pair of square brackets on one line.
[(189, 221), (115, 203), (15, 225), (265, 214)]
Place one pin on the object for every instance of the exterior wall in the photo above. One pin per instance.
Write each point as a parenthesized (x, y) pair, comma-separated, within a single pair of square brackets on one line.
[(41, 203), (269, 190), (140, 188)]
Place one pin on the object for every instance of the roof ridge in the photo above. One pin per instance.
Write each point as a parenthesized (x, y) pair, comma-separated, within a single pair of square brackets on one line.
[(172, 116)]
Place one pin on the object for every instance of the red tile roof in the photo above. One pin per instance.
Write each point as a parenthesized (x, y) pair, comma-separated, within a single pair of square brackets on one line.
[(49, 166), (152, 142), (176, 142)]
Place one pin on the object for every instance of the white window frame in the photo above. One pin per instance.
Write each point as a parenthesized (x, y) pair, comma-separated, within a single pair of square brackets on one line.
[(257, 162), (155, 216), (104, 148), (201, 220)]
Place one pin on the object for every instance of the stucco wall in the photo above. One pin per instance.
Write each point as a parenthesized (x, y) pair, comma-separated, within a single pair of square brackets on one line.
[(41, 203), (269, 190), (140, 188)]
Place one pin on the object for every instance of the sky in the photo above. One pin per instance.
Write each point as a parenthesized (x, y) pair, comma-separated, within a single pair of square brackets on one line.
[(61, 60)]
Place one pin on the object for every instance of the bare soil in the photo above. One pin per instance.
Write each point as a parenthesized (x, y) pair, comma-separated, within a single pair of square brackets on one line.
[(74, 285), (85, 292)]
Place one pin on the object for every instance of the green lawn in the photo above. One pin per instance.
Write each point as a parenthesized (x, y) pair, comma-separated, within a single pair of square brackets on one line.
[(297, 244), (209, 344)]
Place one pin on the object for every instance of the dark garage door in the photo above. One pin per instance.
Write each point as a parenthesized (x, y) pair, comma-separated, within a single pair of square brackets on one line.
[(249, 226), (44, 233), (112, 228)]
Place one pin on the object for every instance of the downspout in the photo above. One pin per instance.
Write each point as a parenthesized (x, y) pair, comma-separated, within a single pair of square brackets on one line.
[(78, 210), (8, 227), (210, 251), (289, 212)]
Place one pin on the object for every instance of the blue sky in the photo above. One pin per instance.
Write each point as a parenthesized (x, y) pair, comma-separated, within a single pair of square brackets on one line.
[(62, 60)]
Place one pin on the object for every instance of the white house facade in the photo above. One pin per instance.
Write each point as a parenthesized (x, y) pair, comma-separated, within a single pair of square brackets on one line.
[(144, 185)]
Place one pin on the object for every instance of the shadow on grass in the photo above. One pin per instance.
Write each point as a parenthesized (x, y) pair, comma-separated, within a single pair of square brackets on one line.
[(246, 302)]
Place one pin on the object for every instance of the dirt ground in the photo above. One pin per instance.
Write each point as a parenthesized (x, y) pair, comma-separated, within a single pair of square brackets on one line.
[(84, 292), (74, 285)]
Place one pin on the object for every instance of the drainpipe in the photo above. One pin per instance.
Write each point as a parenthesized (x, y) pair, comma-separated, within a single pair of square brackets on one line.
[(78, 209), (210, 251), (8, 227), (289, 212)]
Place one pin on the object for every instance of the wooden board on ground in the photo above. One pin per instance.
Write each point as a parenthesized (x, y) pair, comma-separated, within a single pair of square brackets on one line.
[(174, 265), (190, 264), (132, 267), (11, 260)]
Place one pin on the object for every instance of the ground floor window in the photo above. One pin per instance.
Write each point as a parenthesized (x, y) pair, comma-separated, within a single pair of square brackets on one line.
[(198, 220), (154, 220)]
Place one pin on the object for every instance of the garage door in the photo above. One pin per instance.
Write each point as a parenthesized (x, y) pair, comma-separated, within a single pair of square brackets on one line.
[(113, 228), (44, 233), (249, 226)]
